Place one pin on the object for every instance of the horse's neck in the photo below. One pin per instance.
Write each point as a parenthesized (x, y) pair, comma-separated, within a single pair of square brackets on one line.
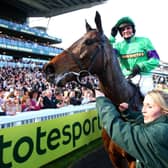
[(113, 82)]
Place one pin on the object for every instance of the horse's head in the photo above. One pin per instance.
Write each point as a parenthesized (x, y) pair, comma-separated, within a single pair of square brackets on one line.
[(82, 57)]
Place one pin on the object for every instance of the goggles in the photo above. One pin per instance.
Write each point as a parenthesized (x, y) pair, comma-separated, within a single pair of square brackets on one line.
[(126, 27)]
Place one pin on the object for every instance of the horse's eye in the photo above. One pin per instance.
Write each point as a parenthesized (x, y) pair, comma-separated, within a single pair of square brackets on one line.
[(89, 42)]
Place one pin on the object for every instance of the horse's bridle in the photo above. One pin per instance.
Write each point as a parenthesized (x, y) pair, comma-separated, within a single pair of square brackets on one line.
[(93, 57), (83, 72)]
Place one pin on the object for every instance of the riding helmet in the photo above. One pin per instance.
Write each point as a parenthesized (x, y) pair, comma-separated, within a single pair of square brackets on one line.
[(125, 21)]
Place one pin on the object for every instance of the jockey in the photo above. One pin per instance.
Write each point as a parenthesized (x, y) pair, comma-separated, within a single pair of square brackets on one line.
[(137, 56)]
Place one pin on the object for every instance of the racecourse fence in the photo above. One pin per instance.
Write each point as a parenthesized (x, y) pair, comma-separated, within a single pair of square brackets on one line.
[(23, 118), (47, 134), (160, 77)]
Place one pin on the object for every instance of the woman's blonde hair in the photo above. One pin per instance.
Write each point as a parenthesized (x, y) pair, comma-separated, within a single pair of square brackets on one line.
[(160, 98)]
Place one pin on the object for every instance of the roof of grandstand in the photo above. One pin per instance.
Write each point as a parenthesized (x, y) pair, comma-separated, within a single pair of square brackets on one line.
[(48, 8)]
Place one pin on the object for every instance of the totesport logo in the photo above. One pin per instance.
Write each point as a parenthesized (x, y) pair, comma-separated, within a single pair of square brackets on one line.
[(39, 143)]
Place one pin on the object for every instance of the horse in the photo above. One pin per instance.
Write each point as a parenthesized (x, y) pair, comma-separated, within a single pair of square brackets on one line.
[(92, 54)]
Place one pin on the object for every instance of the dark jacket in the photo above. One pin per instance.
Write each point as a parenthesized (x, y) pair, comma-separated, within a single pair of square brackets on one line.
[(49, 103), (148, 143)]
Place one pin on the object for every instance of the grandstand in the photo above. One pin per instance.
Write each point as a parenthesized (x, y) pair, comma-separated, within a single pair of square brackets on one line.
[(20, 40)]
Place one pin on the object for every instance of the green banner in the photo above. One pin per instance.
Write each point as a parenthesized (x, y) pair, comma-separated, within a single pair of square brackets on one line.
[(33, 145)]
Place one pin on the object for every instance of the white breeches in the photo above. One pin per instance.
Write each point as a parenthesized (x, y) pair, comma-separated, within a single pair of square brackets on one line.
[(145, 83)]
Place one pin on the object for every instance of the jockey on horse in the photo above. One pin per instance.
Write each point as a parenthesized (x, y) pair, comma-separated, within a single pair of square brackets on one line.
[(137, 55)]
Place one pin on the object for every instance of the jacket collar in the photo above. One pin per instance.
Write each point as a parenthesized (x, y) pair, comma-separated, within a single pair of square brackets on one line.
[(161, 119), (132, 39)]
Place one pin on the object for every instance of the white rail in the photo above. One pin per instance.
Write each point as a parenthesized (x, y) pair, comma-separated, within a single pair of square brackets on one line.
[(42, 115)]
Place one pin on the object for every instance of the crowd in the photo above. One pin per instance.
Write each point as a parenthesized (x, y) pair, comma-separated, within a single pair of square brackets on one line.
[(160, 81), (24, 88)]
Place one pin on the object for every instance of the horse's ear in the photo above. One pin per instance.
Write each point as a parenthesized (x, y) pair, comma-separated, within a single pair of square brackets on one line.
[(88, 27), (98, 22)]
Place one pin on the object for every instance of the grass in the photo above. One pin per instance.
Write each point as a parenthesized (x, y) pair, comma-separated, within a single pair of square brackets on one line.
[(68, 160)]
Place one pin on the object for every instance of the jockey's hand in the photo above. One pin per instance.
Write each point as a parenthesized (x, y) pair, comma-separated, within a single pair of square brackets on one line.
[(123, 106), (114, 31), (136, 70)]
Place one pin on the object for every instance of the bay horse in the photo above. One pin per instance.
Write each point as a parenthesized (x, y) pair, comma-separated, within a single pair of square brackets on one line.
[(92, 53)]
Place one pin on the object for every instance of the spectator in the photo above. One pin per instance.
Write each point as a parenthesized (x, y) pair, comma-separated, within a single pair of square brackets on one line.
[(36, 100), (88, 97), (28, 104), (49, 101), (75, 97), (59, 98)]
